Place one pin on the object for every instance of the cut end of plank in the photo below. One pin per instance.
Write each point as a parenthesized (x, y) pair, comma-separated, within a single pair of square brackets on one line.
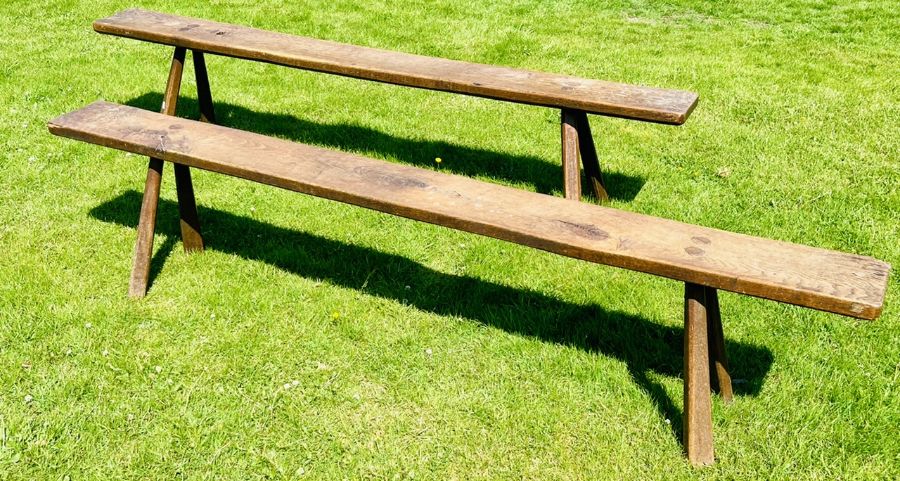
[(682, 117), (700, 462)]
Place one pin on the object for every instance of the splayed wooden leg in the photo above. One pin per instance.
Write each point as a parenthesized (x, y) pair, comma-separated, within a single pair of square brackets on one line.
[(698, 439), (718, 361), (571, 169), (589, 158)]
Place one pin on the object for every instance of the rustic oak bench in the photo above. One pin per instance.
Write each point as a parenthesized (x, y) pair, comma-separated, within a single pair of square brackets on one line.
[(705, 259), (575, 97)]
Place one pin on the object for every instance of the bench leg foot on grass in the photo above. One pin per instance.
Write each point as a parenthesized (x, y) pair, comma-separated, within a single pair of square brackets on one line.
[(143, 249), (578, 142), (698, 440), (187, 210)]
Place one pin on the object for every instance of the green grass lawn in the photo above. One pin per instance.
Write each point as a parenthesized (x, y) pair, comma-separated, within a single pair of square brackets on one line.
[(314, 339)]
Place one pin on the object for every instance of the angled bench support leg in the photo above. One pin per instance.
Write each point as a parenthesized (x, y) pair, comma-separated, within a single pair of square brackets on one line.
[(577, 142), (698, 439), (204, 95), (187, 210), (143, 250), (191, 236), (589, 157), (718, 361), (187, 206), (571, 170)]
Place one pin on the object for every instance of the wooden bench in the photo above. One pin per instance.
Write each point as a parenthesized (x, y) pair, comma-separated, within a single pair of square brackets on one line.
[(705, 259), (575, 97)]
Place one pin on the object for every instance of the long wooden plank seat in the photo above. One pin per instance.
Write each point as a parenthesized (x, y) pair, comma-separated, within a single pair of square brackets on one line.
[(705, 259), (574, 96)]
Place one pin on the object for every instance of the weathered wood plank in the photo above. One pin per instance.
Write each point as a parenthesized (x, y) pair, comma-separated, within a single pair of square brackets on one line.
[(832, 281), (515, 85)]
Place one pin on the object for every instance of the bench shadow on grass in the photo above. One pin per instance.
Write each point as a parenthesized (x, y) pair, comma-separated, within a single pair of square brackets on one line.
[(645, 347), (545, 177)]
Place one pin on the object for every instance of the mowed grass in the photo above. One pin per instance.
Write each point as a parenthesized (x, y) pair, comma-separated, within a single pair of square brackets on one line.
[(318, 340)]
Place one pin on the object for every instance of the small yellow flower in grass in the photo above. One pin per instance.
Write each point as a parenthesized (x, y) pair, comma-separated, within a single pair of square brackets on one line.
[(335, 315), (437, 160)]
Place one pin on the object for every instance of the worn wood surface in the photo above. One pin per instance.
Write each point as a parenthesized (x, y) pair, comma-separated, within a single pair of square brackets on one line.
[(720, 379), (571, 169), (515, 85), (832, 281), (698, 439)]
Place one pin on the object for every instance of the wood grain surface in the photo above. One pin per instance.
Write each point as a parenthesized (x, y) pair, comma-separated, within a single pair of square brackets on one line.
[(504, 83), (847, 284)]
